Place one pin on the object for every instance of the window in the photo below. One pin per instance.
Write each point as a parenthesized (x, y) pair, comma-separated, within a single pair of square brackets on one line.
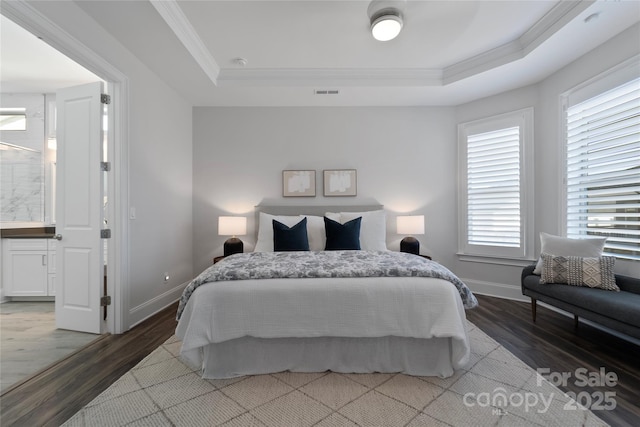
[(22, 157), (496, 186), (13, 119), (603, 165)]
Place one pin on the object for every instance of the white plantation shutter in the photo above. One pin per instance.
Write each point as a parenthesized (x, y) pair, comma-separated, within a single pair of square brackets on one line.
[(496, 186), (493, 188), (603, 169)]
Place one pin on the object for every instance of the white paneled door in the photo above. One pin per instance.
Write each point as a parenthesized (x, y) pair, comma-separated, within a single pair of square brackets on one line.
[(79, 214)]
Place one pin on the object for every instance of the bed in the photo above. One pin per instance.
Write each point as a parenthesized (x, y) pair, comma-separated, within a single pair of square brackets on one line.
[(353, 310)]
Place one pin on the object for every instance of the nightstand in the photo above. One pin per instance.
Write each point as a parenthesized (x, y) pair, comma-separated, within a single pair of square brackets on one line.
[(423, 256)]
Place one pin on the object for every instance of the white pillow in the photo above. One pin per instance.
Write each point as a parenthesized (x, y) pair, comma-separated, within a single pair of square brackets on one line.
[(373, 228), (563, 246), (334, 216), (265, 230), (315, 232)]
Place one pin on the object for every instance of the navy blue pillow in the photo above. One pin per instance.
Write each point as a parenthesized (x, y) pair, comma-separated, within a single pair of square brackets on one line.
[(290, 238), (342, 236)]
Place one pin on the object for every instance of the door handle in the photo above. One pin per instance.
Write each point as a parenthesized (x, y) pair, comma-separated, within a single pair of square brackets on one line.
[(58, 237)]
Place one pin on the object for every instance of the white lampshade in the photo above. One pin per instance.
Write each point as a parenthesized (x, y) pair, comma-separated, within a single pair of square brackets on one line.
[(232, 226), (386, 27), (410, 224)]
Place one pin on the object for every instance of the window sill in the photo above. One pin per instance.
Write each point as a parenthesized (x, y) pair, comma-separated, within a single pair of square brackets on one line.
[(484, 259)]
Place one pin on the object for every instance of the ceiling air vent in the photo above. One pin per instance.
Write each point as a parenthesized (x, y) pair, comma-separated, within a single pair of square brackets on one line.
[(326, 92)]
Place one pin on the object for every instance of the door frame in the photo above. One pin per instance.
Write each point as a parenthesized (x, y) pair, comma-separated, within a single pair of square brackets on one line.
[(36, 23)]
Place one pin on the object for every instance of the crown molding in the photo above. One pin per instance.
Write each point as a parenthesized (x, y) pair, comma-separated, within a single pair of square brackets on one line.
[(173, 15), (32, 20), (561, 14), (485, 61), (326, 76)]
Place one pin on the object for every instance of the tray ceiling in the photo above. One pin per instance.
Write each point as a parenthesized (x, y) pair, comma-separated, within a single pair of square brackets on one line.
[(448, 53)]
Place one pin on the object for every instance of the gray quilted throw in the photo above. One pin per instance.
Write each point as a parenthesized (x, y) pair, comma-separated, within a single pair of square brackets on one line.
[(309, 264)]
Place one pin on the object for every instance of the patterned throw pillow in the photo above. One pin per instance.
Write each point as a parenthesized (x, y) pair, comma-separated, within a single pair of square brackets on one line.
[(578, 271)]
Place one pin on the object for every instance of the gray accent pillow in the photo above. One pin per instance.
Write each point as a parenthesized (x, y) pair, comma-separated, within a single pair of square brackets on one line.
[(578, 271)]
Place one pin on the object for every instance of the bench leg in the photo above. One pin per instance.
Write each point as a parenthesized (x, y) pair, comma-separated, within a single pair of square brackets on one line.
[(575, 321), (533, 309)]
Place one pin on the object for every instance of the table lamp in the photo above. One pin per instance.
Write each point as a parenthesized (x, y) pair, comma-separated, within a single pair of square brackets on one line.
[(410, 224), (232, 226)]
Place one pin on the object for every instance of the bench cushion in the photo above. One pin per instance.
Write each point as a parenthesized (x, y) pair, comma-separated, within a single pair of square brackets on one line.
[(621, 306)]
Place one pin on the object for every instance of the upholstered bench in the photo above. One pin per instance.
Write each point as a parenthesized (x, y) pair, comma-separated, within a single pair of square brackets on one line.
[(616, 310)]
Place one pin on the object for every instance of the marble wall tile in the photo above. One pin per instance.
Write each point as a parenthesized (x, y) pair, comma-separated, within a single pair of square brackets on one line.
[(22, 162)]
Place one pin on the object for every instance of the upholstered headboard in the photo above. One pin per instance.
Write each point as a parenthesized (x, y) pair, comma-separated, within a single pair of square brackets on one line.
[(318, 210), (373, 232)]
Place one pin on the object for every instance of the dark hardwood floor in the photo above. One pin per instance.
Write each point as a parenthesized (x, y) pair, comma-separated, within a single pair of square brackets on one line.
[(56, 393), (553, 343)]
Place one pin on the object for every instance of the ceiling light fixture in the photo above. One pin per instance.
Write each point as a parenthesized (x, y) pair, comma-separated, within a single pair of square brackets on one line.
[(386, 26), (386, 19)]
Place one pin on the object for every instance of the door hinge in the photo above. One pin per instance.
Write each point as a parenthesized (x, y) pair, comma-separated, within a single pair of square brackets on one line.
[(105, 99), (105, 166), (105, 301), (105, 233)]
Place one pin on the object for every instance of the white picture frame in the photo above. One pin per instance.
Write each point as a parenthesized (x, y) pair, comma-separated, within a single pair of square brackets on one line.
[(298, 183), (340, 182)]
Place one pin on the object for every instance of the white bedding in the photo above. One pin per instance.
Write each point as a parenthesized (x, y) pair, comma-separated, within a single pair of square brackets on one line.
[(254, 356), (358, 307)]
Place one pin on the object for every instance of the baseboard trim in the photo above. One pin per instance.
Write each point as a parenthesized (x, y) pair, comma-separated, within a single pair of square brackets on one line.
[(30, 299), (498, 290), (142, 312)]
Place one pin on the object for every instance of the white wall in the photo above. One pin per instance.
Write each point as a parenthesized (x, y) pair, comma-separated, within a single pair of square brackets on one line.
[(159, 175), (404, 157), (545, 98)]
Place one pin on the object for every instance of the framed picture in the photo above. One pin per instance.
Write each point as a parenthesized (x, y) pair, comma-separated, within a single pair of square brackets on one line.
[(299, 183), (340, 182)]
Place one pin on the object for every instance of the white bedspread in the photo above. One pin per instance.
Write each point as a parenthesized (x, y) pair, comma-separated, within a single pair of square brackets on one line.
[(415, 307)]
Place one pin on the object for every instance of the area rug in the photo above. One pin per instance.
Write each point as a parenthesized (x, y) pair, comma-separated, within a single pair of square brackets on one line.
[(494, 389)]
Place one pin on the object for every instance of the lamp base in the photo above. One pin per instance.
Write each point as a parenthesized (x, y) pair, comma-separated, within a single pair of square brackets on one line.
[(410, 245), (233, 246)]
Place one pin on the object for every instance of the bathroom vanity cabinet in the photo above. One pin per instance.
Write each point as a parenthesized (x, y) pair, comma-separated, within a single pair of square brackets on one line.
[(28, 267)]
